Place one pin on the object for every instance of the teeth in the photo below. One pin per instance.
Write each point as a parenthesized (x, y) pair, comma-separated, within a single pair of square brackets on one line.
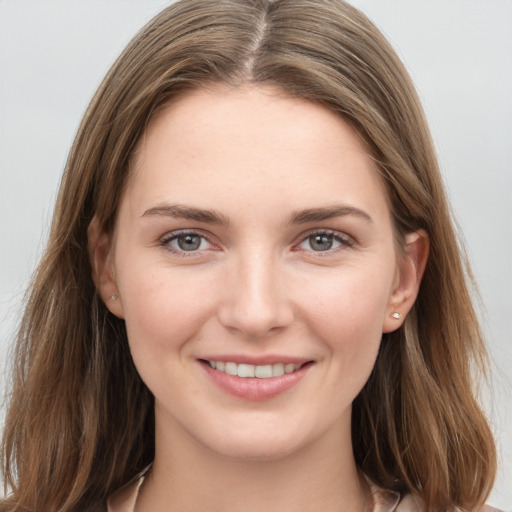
[(278, 369), (231, 369), (289, 368), (246, 370), (265, 371)]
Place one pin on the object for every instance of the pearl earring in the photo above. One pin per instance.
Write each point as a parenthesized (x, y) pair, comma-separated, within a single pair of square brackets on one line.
[(396, 315)]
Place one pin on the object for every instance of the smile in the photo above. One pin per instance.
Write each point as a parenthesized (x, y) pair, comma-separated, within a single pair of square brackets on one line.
[(255, 382), (265, 371)]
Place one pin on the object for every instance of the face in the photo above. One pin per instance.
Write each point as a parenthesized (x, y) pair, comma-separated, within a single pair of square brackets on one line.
[(255, 265)]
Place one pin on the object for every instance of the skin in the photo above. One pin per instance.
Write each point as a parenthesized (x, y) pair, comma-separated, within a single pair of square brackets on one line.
[(256, 286)]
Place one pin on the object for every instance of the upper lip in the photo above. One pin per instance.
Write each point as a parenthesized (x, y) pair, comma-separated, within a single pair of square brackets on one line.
[(255, 360)]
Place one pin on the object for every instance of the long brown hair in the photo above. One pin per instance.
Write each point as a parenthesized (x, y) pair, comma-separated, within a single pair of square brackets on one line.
[(80, 420)]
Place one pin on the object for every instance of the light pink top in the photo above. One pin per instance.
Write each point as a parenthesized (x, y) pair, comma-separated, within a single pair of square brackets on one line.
[(383, 501)]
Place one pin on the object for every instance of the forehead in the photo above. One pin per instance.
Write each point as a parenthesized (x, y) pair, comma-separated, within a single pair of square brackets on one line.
[(254, 140), (265, 114)]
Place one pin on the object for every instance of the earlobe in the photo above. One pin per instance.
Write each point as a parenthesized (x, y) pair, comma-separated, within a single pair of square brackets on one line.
[(103, 275), (410, 272)]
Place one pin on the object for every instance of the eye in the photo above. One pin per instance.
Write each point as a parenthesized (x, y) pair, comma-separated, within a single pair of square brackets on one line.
[(181, 242), (324, 241)]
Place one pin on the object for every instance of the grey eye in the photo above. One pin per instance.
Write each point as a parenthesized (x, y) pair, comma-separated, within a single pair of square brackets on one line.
[(180, 242), (321, 242), (189, 242)]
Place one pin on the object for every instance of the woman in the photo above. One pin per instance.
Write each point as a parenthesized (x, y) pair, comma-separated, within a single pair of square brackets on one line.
[(252, 291)]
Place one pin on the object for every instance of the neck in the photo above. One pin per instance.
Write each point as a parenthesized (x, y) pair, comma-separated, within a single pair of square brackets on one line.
[(188, 476)]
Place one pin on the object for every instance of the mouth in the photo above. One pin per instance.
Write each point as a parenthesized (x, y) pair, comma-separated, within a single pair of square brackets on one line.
[(255, 378), (265, 371)]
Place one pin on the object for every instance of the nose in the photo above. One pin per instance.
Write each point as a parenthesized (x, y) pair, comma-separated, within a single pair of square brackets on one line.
[(255, 301)]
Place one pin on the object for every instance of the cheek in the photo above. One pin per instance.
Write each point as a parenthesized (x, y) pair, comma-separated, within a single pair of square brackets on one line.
[(347, 317), (354, 300), (162, 310)]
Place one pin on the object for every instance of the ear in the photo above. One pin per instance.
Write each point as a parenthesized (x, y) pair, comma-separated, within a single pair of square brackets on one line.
[(408, 279), (103, 275)]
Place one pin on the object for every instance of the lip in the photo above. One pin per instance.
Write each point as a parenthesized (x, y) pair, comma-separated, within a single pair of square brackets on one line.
[(255, 360), (252, 388)]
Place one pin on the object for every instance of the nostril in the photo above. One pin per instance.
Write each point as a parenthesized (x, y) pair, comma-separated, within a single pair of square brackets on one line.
[(254, 324), (254, 302)]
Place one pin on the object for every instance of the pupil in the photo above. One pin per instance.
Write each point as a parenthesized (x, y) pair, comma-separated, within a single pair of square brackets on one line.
[(321, 242), (189, 242)]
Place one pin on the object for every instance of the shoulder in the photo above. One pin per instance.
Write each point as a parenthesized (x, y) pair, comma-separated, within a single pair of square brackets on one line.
[(124, 499), (413, 503), (410, 503)]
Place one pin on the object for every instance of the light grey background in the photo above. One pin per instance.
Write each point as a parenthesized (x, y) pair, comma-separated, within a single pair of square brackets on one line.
[(53, 54)]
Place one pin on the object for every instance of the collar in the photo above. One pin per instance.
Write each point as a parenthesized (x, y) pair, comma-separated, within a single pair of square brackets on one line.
[(125, 498)]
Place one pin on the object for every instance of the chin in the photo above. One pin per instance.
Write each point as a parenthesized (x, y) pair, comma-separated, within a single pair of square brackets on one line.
[(261, 449), (259, 440)]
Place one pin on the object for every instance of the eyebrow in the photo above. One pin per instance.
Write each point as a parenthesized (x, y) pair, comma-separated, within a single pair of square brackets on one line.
[(329, 212), (214, 217), (188, 212)]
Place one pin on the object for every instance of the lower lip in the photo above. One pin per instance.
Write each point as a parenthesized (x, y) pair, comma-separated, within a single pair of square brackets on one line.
[(252, 388)]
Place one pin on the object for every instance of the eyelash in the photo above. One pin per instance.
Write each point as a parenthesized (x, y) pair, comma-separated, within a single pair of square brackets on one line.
[(345, 242), (165, 242)]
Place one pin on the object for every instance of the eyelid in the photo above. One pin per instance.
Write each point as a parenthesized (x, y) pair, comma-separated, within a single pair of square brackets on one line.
[(346, 240), (165, 240)]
